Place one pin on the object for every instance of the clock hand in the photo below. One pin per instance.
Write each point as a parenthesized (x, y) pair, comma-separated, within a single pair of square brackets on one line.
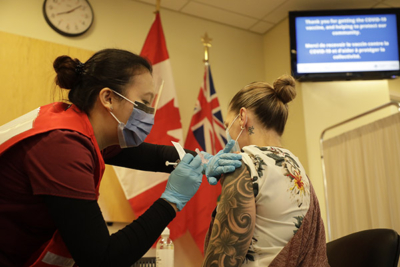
[(69, 11)]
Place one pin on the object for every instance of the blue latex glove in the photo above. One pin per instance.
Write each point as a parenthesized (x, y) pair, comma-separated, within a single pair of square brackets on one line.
[(184, 181), (222, 162)]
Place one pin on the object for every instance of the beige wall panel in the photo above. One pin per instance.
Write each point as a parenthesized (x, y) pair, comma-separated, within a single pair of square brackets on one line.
[(394, 89), (27, 75)]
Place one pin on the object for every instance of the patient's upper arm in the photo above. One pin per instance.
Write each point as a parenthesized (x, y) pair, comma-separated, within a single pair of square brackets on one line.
[(234, 222)]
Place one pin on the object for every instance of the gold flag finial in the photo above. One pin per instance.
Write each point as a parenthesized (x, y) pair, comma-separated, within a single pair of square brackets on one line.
[(158, 4), (207, 43)]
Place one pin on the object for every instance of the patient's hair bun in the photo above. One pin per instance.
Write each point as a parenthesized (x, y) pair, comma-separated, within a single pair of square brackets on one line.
[(285, 88)]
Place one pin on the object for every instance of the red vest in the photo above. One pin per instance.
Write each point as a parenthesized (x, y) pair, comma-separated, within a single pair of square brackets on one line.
[(47, 118)]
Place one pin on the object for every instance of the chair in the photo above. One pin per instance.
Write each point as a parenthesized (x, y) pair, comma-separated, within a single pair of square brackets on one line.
[(369, 248)]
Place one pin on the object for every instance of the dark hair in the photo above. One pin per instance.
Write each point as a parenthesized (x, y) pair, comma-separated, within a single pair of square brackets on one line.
[(269, 103), (113, 68)]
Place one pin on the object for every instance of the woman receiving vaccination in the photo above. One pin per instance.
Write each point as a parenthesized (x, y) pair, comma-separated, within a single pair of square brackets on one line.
[(268, 214)]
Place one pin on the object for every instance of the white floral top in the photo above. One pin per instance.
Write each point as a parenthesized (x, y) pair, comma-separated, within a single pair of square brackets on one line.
[(282, 195)]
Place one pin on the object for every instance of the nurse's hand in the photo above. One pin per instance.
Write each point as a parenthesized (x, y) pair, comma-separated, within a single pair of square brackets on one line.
[(184, 181), (222, 162)]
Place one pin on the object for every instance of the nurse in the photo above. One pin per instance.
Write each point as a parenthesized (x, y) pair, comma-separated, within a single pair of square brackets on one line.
[(52, 160)]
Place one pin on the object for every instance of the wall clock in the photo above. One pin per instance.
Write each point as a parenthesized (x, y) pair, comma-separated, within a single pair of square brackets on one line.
[(68, 17)]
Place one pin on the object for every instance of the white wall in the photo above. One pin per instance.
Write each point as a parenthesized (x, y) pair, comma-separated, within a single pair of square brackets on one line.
[(235, 55)]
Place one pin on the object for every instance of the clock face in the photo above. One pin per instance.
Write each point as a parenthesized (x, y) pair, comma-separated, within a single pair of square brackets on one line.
[(68, 17)]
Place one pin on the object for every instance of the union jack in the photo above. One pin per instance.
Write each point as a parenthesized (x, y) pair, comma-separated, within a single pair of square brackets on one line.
[(206, 132), (207, 124)]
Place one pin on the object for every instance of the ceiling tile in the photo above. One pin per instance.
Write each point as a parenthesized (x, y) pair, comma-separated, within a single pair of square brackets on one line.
[(260, 15), (169, 4), (218, 15), (282, 11), (261, 27), (252, 8), (392, 3), (382, 5)]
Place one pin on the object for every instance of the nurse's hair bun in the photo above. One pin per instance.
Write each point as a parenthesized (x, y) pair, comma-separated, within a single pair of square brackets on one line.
[(285, 88), (68, 71)]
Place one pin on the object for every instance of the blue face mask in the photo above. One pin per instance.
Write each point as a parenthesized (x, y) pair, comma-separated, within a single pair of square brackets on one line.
[(236, 147), (138, 126)]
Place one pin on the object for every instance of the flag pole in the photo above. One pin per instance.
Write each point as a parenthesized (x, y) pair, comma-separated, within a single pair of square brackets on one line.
[(206, 40), (158, 4), (207, 44)]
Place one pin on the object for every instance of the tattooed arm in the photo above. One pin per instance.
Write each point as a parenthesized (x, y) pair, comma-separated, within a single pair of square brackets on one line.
[(234, 222)]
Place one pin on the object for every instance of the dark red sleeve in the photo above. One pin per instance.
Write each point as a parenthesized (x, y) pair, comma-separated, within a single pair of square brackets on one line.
[(61, 163)]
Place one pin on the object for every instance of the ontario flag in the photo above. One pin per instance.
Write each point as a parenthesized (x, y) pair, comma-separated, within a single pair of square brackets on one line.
[(143, 188), (206, 132)]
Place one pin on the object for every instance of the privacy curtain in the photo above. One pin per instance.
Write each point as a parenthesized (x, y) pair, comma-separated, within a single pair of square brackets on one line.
[(363, 177)]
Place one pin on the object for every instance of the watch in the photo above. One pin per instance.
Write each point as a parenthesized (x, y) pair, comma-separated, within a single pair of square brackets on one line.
[(68, 17)]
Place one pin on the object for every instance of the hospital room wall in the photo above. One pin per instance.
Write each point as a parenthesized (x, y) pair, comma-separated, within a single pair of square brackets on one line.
[(321, 104)]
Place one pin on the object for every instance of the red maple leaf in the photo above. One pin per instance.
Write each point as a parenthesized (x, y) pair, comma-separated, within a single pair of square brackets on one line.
[(167, 119)]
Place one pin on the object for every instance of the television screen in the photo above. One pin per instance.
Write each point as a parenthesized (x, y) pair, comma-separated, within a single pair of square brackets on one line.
[(344, 44)]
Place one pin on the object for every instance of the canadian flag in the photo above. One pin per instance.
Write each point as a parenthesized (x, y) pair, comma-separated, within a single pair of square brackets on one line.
[(143, 188)]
